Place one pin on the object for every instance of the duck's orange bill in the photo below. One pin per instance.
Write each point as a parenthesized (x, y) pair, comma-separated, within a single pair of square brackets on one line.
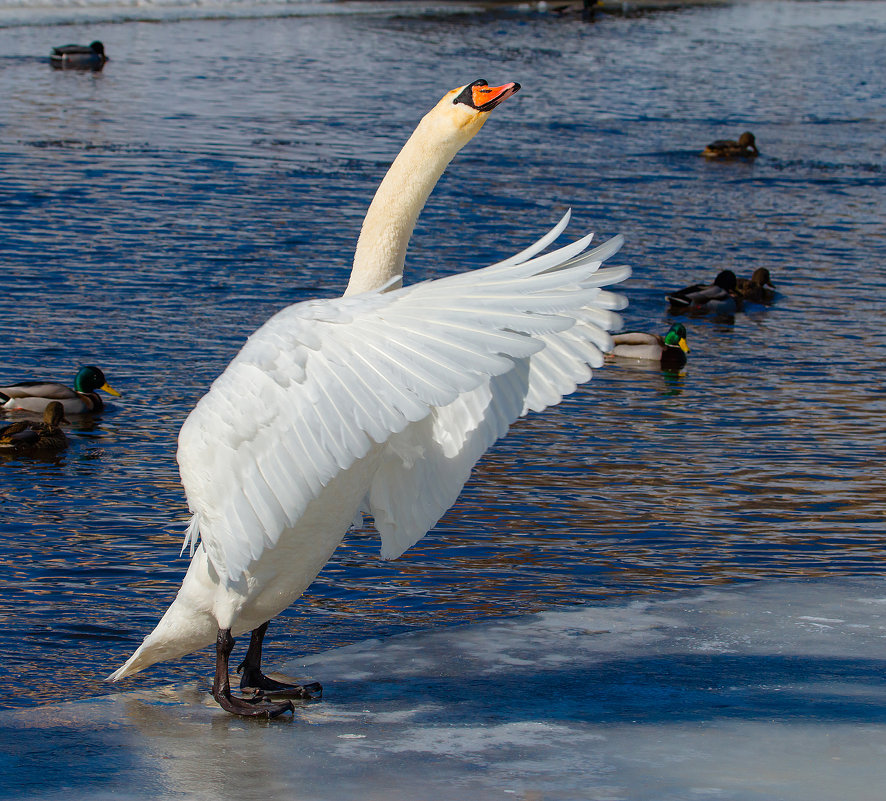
[(110, 390), (487, 98), (684, 345)]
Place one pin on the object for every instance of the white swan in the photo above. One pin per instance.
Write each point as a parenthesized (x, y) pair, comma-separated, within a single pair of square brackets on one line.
[(380, 401)]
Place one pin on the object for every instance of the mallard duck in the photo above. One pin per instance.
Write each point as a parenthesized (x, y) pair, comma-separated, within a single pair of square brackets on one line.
[(28, 435), (669, 350), (32, 396), (78, 57), (758, 288), (745, 147), (700, 299)]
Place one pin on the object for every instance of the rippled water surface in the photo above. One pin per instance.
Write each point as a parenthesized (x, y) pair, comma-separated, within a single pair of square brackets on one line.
[(153, 215)]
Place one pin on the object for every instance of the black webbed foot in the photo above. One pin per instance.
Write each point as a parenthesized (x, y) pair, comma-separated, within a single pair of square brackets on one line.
[(253, 679), (255, 707)]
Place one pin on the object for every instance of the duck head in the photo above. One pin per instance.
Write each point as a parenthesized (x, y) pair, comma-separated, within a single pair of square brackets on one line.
[(726, 280), (747, 140), (761, 277), (90, 378), (676, 337), (54, 414)]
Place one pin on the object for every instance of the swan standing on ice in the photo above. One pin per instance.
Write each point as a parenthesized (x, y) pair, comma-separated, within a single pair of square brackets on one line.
[(380, 401)]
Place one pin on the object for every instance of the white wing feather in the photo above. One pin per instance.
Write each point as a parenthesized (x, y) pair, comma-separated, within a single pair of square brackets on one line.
[(409, 495), (435, 371)]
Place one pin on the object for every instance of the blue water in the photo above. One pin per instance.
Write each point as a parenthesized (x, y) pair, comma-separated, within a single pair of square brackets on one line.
[(153, 215)]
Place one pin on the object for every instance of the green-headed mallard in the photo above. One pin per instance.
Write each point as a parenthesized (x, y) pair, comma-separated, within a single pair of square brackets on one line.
[(33, 396), (758, 288), (700, 299), (669, 350), (78, 57), (28, 435), (744, 148)]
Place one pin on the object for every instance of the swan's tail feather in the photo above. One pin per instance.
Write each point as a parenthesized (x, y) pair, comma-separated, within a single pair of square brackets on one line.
[(164, 643), (135, 664), (186, 626)]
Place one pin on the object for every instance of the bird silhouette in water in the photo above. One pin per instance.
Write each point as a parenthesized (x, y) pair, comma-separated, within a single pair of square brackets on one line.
[(744, 148), (79, 57), (698, 300)]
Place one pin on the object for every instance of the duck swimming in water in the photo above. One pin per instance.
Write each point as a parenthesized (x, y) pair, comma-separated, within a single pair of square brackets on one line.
[(79, 57), (745, 147), (33, 396), (30, 436), (701, 299), (758, 288), (669, 350)]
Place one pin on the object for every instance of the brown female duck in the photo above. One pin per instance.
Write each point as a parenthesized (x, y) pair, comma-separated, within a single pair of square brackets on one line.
[(28, 435), (745, 147), (758, 288)]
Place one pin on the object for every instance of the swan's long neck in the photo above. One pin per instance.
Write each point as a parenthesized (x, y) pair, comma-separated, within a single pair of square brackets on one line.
[(381, 248)]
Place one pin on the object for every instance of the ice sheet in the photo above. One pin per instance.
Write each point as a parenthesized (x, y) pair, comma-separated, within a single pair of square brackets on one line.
[(767, 690)]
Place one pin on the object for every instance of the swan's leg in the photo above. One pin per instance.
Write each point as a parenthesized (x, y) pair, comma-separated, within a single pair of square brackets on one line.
[(221, 686), (252, 677)]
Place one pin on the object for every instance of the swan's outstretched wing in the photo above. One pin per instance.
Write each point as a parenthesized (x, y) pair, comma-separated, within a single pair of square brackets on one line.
[(424, 468), (321, 381)]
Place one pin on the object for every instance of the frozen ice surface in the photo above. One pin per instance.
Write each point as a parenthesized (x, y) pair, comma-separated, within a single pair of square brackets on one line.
[(772, 690)]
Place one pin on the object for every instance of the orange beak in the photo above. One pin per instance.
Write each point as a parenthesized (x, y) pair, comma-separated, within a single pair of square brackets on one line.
[(487, 98)]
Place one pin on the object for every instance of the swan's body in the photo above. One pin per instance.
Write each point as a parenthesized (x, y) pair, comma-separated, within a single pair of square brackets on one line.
[(33, 396), (26, 436), (744, 148), (719, 298), (379, 401), (758, 288), (79, 57), (669, 350)]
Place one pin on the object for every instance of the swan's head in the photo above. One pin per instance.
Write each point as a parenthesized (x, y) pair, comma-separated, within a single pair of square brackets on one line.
[(466, 108), (479, 97)]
